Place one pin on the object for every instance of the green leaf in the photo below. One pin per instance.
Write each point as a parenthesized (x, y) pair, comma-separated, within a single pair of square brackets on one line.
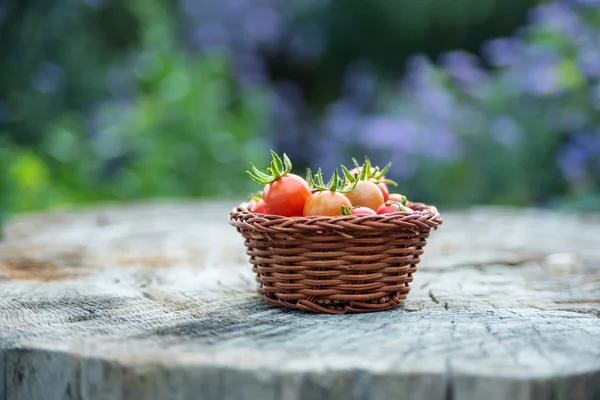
[(381, 173), (278, 164), (287, 164), (334, 180), (275, 171), (351, 178)]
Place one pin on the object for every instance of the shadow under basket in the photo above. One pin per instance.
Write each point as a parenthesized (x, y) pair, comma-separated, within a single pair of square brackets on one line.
[(337, 265)]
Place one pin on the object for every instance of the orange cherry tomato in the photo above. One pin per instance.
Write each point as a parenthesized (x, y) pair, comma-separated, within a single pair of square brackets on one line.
[(366, 194), (384, 191), (326, 203), (396, 197)]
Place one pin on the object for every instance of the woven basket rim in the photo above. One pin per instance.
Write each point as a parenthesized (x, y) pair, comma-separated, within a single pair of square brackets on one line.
[(424, 218)]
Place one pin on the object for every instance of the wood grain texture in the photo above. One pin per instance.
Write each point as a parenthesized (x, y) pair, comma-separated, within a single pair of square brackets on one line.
[(157, 300)]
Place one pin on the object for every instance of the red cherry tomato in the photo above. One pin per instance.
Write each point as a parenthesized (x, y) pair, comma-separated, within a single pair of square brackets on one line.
[(326, 203), (259, 207), (286, 196), (388, 208), (363, 211), (366, 194), (384, 191), (391, 207)]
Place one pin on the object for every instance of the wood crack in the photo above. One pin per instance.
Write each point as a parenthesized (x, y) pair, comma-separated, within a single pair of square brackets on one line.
[(481, 265), (433, 298), (592, 312)]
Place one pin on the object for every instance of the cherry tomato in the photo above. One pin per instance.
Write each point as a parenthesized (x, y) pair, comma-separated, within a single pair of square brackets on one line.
[(286, 196), (366, 194), (396, 197), (259, 207), (388, 208), (326, 202), (363, 211), (382, 185), (384, 191)]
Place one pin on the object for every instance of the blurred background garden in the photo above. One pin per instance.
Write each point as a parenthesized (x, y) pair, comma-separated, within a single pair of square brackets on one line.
[(473, 101)]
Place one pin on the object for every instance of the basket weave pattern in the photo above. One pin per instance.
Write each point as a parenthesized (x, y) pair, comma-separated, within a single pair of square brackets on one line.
[(353, 263)]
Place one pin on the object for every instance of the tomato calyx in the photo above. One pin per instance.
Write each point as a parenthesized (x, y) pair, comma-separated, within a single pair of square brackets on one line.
[(370, 172), (379, 175), (257, 197), (398, 198), (399, 204), (365, 171), (335, 184), (277, 169), (347, 210)]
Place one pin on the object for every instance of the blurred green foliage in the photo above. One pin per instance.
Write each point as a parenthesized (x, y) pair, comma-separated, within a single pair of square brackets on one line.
[(109, 100), (183, 130)]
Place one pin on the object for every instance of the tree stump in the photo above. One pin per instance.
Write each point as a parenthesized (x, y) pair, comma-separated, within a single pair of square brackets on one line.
[(156, 300)]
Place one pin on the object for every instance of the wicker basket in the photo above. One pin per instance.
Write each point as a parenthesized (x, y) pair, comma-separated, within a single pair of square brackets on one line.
[(337, 265)]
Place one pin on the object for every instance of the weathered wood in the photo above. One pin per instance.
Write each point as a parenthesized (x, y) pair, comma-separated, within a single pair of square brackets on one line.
[(156, 300)]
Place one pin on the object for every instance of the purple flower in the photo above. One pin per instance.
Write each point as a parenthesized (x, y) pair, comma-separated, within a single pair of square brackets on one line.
[(212, 34), (463, 67), (437, 102), (327, 154), (389, 132), (572, 162), (587, 141), (405, 136), (217, 24), (543, 78), (502, 52), (418, 72), (424, 89), (440, 142), (250, 69), (577, 155), (262, 23), (341, 119), (558, 17), (588, 56)]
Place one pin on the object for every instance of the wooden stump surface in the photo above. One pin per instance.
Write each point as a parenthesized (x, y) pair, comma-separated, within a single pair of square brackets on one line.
[(157, 300)]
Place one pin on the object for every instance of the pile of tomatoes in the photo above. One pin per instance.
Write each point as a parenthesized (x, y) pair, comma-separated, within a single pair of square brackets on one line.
[(362, 190)]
